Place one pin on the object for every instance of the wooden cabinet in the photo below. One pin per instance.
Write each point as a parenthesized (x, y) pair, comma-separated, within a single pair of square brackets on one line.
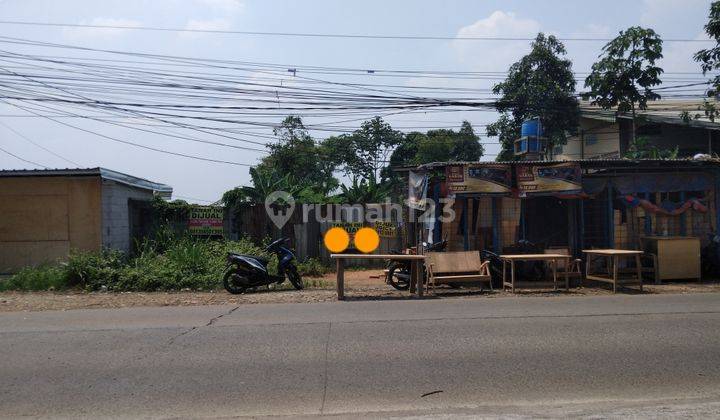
[(678, 257)]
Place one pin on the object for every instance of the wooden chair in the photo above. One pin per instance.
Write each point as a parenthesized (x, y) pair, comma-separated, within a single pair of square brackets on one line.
[(457, 267), (573, 270)]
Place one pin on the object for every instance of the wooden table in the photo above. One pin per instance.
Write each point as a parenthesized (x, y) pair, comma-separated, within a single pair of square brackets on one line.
[(612, 256), (415, 268), (552, 258)]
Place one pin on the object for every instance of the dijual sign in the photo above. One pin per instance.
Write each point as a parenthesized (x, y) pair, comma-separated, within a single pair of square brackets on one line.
[(206, 221)]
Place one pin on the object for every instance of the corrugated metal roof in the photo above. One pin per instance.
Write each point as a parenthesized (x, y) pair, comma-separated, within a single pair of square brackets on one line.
[(661, 111), (583, 162), (133, 181)]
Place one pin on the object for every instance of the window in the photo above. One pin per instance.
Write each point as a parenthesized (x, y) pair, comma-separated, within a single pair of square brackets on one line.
[(590, 139)]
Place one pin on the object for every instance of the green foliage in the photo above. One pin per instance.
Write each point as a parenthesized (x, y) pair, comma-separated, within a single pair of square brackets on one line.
[(709, 58), (507, 130), (363, 153), (626, 72), (710, 110), (312, 267), (641, 148), (541, 85), (365, 191), (297, 156), (184, 263), (45, 277)]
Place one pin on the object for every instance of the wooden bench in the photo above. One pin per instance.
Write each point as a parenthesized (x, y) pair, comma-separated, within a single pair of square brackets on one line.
[(457, 267)]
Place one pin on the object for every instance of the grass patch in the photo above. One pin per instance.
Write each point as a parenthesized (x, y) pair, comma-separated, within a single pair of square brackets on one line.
[(174, 264), (36, 278)]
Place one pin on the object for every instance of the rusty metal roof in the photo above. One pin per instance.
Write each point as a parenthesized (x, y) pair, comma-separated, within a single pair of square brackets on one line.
[(587, 163), (108, 174)]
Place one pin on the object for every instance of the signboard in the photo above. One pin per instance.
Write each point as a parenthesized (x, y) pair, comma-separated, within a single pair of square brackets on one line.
[(386, 229), (417, 190), (563, 178), (206, 221), (478, 179)]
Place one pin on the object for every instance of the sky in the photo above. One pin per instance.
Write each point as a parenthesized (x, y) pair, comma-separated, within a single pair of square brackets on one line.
[(203, 182)]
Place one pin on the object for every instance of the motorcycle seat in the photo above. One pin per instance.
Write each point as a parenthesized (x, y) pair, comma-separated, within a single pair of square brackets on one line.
[(263, 260)]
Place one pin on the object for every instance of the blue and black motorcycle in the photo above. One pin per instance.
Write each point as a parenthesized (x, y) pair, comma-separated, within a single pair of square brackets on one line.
[(245, 272)]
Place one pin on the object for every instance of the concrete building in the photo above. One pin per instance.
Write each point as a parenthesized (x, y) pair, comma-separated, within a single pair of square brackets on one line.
[(46, 213), (604, 134)]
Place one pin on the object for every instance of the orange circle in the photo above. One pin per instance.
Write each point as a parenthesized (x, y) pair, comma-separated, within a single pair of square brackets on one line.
[(336, 239), (367, 240)]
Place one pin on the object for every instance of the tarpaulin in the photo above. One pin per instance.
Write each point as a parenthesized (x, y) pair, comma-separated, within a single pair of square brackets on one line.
[(478, 179), (667, 208), (667, 182), (563, 178), (417, 190)]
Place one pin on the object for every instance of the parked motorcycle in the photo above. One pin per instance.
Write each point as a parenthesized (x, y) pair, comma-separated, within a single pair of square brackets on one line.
[(247, 271), (534, 270), (398, 272)]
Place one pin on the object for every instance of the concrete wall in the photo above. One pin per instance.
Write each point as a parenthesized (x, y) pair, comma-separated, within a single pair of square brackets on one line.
[(116, 213), (599, 139), (42, 218)]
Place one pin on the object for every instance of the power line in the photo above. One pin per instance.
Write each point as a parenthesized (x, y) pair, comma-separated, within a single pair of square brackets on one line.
[(318, 35), (131, 143), (19, 134), (23, 159)]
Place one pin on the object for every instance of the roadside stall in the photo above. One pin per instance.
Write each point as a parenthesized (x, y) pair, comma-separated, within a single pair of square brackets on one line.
[(565, 207)]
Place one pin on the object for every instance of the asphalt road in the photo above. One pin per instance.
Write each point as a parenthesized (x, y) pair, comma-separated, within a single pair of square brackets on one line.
[(590, 356)]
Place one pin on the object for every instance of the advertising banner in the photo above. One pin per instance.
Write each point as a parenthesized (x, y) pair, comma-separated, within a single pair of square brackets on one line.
[(386, 229), (478, 179), (206, 221), (417, 190), (563, 178)]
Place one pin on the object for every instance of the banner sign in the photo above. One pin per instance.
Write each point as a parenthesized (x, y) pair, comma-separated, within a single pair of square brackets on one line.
[(206, 221), (478, 178), (563, 178), (417, 190), (386, 229)]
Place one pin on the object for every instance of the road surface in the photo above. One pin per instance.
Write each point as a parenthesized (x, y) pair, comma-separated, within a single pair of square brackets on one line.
[(610, 356)]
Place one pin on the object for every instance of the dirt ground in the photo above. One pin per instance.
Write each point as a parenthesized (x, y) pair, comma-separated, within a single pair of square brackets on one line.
[(359, 285)]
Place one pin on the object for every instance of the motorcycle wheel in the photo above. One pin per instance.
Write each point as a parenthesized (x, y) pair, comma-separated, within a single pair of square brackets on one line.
[(395, 281), (295, 278), (234, 282)]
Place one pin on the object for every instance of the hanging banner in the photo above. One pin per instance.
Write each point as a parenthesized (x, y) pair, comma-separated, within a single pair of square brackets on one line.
[(417, 190), (206, 221), (478, 179), (563, 178)]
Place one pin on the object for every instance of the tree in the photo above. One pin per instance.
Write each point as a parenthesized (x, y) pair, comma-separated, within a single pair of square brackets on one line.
[(507, 130), (709, 59), (540, 85), (363, 153), (369, 191), (641, 148), (438, 146), (626, 72), (467, 146), (296, 154)]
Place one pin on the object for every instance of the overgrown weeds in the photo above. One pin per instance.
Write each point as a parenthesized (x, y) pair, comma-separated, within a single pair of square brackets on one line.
[(164, 263)]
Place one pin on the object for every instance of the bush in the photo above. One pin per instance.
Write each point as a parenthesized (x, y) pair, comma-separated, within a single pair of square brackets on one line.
[(37, 278), (312, 267), (166, 265)]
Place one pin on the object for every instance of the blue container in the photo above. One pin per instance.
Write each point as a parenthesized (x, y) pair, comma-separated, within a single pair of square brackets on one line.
[(530, 129)]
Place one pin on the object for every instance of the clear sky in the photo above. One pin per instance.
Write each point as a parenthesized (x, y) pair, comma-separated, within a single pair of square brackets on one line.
[(207, 181)]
